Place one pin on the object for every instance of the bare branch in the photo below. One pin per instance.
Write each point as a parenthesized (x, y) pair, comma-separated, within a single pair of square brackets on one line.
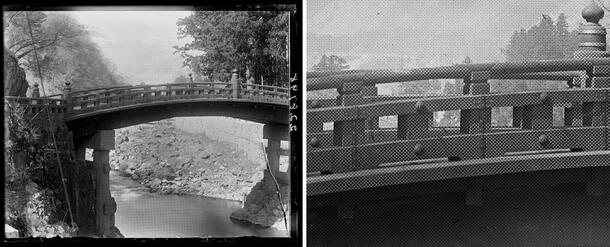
[(40, 47)]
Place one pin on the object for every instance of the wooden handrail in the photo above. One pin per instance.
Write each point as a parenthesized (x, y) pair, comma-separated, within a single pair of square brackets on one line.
[(460, 71)]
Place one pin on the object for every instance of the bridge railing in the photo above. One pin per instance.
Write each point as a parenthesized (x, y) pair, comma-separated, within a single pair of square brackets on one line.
[(34, 106), (92, 100), (354, 144)]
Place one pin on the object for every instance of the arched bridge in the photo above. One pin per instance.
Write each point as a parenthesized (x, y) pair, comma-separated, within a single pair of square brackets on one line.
[(92, 115), (359, 161), (87, 111)]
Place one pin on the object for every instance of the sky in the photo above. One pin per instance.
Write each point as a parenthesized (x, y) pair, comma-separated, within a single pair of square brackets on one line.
[(482, 26), (139, 43)]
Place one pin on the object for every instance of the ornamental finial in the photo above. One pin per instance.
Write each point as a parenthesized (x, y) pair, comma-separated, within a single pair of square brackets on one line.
[(592, 13)]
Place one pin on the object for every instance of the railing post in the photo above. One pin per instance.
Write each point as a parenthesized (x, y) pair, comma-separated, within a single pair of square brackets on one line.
[(35, 91), (592, 38), (477, 121), (235, 84), (68, 98), (539, 116), (517, 116), (350, 132), (372, 123), (474, 121), (592, 35), (415, 125), (35, 94)]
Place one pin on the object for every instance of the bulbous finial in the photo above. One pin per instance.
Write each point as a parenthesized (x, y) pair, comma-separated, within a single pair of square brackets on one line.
[(593, 13)]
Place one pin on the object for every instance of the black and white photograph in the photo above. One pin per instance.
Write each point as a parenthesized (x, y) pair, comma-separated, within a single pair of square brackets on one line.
[(149, 122), (457, 123)]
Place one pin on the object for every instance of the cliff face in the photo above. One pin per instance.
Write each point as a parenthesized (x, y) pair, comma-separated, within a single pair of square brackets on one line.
[(14, 76), (35, 202)]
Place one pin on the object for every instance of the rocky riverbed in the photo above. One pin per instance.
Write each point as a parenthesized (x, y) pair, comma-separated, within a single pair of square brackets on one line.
[(171, 161)]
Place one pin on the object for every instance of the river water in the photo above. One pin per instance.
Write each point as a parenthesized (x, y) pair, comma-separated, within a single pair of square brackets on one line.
[(141, 214)]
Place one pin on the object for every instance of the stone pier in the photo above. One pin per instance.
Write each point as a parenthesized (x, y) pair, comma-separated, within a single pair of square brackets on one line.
[(105, 206), (262, 206)]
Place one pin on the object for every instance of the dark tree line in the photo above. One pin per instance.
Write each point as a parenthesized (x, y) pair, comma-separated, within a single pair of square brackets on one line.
[(252, 41)]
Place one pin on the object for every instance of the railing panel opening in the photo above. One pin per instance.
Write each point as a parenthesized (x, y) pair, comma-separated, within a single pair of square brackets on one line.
[(559, 116), (502, 116), (447, 118), (328, 126), (388, 122)]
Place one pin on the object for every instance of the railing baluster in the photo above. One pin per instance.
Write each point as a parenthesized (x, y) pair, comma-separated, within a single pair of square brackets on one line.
[(350, 132), (477, 121), (415, 125), (539, 116), (594, 113), (473, 121), (372, 123), (517, 116)]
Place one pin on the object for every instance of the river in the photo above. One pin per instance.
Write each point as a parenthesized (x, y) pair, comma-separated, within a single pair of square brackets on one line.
[(141, 214)]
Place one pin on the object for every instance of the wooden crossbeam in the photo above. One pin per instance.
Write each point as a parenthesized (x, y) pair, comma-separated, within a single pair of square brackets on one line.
[(380, 177), (338, 159), (342, 113)]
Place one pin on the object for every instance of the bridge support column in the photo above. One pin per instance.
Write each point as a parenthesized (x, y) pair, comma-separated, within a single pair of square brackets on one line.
[(346, 210), (594, 184), (275, 133), (105, 206), (474, 193), (79, 157), (598, 182)]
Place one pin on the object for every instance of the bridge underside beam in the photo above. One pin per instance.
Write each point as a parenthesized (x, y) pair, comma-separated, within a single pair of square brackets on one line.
[(484, 185), (88, 124), (364, 179)]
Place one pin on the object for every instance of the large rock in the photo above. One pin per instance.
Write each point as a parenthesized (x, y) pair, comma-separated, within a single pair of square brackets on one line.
[(14, 76), (262, 207)]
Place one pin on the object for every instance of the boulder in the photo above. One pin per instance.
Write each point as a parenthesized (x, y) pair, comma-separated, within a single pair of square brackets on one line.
[(155, 182)]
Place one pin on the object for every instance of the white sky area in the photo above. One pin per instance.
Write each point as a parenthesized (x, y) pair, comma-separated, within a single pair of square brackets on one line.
[(139, 43), (484, 26)]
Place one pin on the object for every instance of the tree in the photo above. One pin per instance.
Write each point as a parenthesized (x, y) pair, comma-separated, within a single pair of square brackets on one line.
[(332, 63), (545, 41), (255, 40), (60, 47)]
